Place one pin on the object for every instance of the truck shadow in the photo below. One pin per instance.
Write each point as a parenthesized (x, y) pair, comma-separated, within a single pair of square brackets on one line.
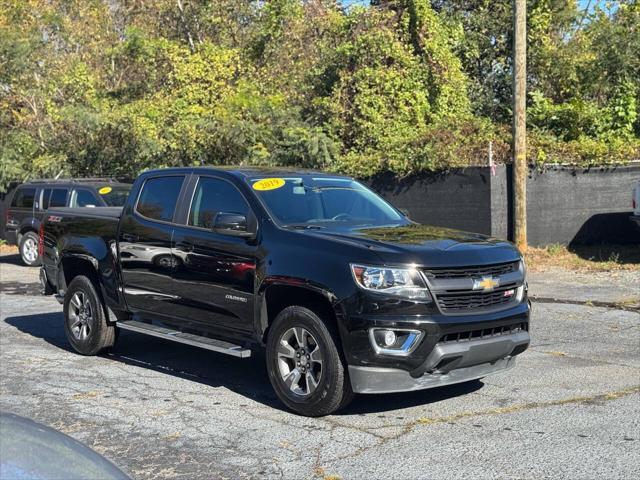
[(247, 377), (11, 259)]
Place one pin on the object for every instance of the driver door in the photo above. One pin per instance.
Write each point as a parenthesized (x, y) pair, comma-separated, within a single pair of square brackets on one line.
[(215, 275)]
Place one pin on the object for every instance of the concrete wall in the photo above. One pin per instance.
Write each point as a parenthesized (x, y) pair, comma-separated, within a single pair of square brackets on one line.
[(565, 205), (458, 199), (568, 205)]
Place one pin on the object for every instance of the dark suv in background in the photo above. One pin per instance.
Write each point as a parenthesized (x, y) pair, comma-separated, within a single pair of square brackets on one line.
[(30, 201)]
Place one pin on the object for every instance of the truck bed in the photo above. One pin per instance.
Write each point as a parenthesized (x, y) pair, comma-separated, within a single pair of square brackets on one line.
[(80, 233), (88, 212)]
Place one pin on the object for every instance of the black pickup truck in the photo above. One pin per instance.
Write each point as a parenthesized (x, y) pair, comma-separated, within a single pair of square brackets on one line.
[(345, 293)]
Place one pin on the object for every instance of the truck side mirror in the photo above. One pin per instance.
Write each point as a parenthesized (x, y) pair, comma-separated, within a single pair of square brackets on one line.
[(232, 224)]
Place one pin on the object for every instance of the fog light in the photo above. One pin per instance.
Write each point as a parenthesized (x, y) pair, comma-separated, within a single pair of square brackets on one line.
[(394, 342), (389, 338)]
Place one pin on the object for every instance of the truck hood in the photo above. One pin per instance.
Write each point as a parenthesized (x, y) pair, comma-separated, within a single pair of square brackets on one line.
[(425, 245)]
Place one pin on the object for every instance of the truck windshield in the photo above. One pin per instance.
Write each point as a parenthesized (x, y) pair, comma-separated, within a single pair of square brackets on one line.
[(116, 195), (324, 202)]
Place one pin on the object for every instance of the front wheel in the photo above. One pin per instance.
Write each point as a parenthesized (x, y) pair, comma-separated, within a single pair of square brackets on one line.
[(29, 249), (305, 366), (85, 321)]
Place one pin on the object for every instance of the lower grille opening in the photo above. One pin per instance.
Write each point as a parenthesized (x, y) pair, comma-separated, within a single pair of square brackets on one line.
[(468, 335)]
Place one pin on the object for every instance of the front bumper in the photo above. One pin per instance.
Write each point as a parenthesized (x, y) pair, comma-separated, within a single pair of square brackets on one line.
[(447, 364)]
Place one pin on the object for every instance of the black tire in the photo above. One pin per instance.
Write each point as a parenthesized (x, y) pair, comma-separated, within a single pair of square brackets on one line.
[(166, 261), (333, 388), (29, 249), (83, 305)]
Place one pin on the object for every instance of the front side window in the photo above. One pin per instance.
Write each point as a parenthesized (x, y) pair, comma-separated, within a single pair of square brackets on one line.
[(325, 202), (212, 196), (58, 198), (84, 198), (159, 197), (114, 195), (24, 198)]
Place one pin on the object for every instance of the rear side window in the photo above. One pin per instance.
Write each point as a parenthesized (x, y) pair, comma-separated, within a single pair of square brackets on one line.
[(23, 198), (46, 193), (58, 197), (159, 197), (213, 195)]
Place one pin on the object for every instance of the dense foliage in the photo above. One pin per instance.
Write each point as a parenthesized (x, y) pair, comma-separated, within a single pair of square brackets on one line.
[(112, 87)]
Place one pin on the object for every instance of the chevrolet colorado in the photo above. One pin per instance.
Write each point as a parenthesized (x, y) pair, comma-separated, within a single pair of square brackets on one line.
[(343, 291)]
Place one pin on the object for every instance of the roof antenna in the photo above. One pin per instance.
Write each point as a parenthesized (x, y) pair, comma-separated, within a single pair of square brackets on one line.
[(58, 175)]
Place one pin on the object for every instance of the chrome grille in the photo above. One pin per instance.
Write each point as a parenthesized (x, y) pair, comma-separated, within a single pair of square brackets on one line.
[(467, 335), (458, 290), (465, 301), (480, 271)]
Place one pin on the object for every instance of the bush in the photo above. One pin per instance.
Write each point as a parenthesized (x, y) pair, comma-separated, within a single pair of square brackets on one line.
[(583, 151)]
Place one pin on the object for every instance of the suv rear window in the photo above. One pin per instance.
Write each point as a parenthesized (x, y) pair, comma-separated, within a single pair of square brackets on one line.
[(23, 198), (159, 197)]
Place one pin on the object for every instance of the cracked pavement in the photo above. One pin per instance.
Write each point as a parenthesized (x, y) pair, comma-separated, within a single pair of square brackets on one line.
[(570, 407)]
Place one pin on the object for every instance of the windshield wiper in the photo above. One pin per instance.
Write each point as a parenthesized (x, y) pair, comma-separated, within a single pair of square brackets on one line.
[(305, 226)]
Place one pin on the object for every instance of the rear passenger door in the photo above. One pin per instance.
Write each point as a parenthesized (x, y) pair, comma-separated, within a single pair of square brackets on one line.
[(50, 197), (145, 246), (214, 278)]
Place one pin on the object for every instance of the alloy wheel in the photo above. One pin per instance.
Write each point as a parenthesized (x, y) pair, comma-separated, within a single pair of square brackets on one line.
[(299, 361), (30, 250), (80, 316)]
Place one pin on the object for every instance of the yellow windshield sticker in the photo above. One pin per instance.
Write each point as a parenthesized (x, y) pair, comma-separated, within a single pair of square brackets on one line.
[(104, 190), (268, 184)]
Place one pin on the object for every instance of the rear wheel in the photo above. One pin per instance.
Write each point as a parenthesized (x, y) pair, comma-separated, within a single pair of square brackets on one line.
[(29, 249), (85, 321), (305, 366)]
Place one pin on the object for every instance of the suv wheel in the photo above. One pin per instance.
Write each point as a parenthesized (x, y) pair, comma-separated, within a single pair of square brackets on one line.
[(29, 249), (305, 366), (85, 322)]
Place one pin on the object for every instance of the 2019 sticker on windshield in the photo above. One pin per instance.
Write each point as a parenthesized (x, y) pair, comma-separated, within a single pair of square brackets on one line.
[(268, 184), (104, 190)]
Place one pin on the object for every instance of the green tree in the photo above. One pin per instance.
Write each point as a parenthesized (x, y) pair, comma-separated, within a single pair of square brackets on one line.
[(112, 87)]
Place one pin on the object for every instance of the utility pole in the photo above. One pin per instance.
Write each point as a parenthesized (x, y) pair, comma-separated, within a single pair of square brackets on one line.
[(520, 169)]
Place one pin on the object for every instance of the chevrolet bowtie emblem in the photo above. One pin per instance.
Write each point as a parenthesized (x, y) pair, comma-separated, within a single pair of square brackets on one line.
[(486, 284)]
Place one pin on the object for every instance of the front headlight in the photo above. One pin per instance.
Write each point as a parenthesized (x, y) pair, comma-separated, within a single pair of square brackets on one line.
[(401, 282)]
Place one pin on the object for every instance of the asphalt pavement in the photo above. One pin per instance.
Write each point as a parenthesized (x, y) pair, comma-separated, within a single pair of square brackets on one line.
[(570, 408)]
